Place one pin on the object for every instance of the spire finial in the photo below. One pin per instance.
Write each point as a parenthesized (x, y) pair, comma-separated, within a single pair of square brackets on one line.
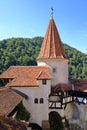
[(52, 12)]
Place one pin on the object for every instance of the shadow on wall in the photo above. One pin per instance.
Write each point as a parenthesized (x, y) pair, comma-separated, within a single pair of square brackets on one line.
[(72, 112)]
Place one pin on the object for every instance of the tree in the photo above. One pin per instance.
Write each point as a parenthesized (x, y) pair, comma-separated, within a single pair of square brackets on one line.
[(24, 51), (55, 121), (22, 113)]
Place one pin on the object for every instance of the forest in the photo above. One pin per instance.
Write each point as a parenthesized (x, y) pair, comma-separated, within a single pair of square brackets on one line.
[(24, 51)]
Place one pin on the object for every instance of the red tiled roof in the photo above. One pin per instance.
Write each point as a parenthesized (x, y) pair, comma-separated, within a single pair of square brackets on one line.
[(24, 75), (79, 84), (11, 124), (44, 75), (63, 87), (67, 87), (78, 81), (24, 81), (52, 46), (8, 101), (82, 89)]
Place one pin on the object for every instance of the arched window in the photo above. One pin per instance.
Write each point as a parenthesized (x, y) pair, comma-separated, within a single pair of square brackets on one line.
[(36, 100), (41, 100)]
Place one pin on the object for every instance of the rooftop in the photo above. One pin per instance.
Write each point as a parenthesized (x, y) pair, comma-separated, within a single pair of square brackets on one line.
[(25, 76), (52, 46), (11, 124), (8, 100)]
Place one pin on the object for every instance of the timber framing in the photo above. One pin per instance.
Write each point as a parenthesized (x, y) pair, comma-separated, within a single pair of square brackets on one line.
[(66, 97)]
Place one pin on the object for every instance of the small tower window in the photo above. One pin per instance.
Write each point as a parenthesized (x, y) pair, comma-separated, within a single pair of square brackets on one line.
[(54, 70), (41, 100), (36, 101), (44, 81)]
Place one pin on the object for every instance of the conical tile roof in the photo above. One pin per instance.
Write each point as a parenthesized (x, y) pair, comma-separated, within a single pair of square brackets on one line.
[(52, 46)]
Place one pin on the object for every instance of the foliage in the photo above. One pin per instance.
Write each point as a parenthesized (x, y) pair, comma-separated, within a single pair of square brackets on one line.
[(19, 51), (22, 113), (24, 51), (55, 121), (77, 63)]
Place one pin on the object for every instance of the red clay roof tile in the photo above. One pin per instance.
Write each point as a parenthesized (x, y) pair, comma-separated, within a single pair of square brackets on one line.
[(24, 81), (80, 84), (44, 75), (11, 124), (8, 100), (25, 76), (63, 87), (52, 46)]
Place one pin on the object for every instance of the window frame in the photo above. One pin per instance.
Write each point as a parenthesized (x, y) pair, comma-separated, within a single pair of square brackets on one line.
[(41, 100), (36, 100), (54, 69), (44, 81)]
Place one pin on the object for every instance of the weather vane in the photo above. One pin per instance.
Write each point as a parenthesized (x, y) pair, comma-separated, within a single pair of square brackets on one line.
[(51, 12)]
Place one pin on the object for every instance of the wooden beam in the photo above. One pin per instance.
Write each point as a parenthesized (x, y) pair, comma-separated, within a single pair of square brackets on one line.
[(55, 107)]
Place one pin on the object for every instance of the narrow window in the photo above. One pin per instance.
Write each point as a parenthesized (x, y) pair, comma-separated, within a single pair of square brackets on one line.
[(41, 100), (36, 100), (44, 81), (54, 70)]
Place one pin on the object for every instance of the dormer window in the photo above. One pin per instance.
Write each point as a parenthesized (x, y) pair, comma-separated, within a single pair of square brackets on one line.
[(36, 101), (44, 81), (54, 70)]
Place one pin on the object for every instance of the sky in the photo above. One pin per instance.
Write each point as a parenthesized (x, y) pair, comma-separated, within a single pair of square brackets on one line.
[(30, 18)]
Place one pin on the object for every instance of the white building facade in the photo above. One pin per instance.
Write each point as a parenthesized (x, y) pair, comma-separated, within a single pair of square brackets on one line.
[(51, 73)]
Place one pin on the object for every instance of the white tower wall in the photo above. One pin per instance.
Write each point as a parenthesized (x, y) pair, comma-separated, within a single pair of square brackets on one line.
[(61, 69)]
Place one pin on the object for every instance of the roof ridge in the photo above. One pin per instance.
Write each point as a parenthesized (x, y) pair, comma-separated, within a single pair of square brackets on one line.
[(52, 45), (39, 74), (43, 75)]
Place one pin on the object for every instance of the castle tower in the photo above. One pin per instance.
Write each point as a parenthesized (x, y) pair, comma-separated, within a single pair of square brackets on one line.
[(52, 54)]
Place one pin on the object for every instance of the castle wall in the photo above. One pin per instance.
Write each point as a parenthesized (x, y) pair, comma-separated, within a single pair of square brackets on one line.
[(38, 111), (77, 114), (61, 73)]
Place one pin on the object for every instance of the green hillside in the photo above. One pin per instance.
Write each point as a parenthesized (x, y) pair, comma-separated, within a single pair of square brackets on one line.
[(23, 51)]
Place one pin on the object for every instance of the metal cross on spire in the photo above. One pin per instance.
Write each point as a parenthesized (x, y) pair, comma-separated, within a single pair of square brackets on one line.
[(51, 12)]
